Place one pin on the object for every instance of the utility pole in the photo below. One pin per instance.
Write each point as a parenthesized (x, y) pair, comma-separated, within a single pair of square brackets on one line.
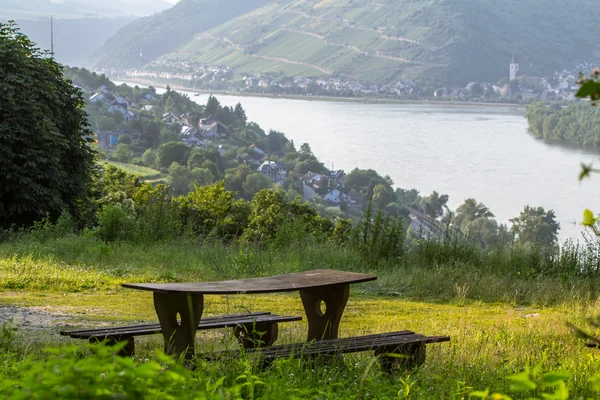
[(52, 36)]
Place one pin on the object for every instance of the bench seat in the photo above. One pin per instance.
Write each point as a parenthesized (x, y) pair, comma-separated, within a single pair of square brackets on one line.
[(251, 329), (409, 345)]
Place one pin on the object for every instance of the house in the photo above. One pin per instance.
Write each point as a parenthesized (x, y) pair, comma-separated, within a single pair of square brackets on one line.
[(215, 129), (149, 97), (310, 178), (193, 141), (118, 107), (335, 196), (249, 160), (188, 131), (111, 138), (97, 97), (273, 170), (122, 100), (105, 98), (255, 149), (147, 107), (130, 116)]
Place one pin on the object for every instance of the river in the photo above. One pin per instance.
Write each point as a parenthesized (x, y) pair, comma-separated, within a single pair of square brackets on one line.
[(464, 151)]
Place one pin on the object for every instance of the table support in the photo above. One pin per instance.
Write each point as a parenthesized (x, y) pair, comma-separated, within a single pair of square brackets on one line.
[(324, 325), (179, 336)]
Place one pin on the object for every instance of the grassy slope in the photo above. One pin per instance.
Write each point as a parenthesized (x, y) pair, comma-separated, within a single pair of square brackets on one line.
[(79, 277), (448, 41), (167, 30)]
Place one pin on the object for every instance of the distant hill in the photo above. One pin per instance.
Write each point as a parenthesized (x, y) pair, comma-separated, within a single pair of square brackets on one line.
[(379, 41), (161, 33), (16, 9), (75, 40)]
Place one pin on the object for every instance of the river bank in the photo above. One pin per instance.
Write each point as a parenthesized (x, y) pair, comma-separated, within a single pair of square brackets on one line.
[(359, 100)]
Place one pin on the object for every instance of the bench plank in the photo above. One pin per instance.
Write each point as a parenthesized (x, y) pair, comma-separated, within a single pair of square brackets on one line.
[(269, 284), (226, 321), (407, 343)]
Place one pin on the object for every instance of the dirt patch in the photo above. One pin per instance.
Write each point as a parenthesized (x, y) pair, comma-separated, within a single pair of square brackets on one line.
[(33, 318)]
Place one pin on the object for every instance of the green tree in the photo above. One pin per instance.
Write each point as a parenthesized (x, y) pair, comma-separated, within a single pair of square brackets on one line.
[(213, 107), (149, 158), (305, 148), (125, 139), (434, 205), (168, 135), (179, 179), (105, 124), (171, 152), (468, 212), (122, 153), (46, 157), (171, 106), (535, 226), (202, 176), (255, 183)]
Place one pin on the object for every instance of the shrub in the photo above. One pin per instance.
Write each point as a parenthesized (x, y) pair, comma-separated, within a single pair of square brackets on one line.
[(115, 222)]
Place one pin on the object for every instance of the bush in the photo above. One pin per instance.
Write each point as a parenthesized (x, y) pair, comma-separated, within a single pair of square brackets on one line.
[(115, 222)]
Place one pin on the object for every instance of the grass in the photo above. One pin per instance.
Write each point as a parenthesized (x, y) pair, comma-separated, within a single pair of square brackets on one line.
[(144, 172), (484, 313)]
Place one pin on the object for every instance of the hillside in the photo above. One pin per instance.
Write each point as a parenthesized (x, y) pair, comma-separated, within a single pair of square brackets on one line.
[(15, 9), (163, 32), (443, 41), (75, 40)]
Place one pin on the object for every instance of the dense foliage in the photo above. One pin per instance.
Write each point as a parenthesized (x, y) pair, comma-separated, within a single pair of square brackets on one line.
[(577, 123), (46, 158)]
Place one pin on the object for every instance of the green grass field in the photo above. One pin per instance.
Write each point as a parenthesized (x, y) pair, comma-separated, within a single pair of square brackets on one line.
[(485, 314), (145, 173)]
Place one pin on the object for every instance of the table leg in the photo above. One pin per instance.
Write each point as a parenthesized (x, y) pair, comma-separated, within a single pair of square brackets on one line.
[(179, 336), (324, 325)]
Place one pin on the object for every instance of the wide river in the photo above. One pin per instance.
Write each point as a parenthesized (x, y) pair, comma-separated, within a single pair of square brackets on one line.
[(481, 152)]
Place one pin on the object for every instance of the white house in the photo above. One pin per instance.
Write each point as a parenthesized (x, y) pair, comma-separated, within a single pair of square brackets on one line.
[(130, 116), (335, 196), (273, 170), (116, 107)]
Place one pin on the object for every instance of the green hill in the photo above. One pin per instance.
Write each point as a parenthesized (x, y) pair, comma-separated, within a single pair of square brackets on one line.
[(380, 41), (163, 32)]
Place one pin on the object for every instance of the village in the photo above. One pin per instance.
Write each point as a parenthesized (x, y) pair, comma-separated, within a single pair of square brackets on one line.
[(317, 184), (515, 87)]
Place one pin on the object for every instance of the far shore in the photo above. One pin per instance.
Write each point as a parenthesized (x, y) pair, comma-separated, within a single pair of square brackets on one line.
[(364, 100)]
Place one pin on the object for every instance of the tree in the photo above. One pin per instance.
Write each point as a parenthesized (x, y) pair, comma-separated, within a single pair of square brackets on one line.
[(46, 157), (123, 153), (535, 226), (305, 148), (240, 114), (213, 106), (179, 179), (202, 176), (171, 152), (168, 135), (255, 183), (149, 158), (434, 205), (125, 139), (468, 212)]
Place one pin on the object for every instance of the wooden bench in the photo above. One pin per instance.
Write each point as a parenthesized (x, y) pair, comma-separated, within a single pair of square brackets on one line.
[(404, 348), (252, 329)]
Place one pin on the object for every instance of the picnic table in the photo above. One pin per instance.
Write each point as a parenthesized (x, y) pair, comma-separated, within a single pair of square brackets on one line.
[(179, 306)]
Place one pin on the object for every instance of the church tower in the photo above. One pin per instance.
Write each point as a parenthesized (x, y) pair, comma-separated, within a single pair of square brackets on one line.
[(514, 69)]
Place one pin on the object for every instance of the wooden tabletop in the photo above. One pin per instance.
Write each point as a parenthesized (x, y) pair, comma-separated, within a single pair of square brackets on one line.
[(269, 284)]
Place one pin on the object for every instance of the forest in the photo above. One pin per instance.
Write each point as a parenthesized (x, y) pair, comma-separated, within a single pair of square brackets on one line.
[(576, 123)]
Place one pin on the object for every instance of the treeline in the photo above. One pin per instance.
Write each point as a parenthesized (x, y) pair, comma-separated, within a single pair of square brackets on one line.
[(577, 123), (126, 209)]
